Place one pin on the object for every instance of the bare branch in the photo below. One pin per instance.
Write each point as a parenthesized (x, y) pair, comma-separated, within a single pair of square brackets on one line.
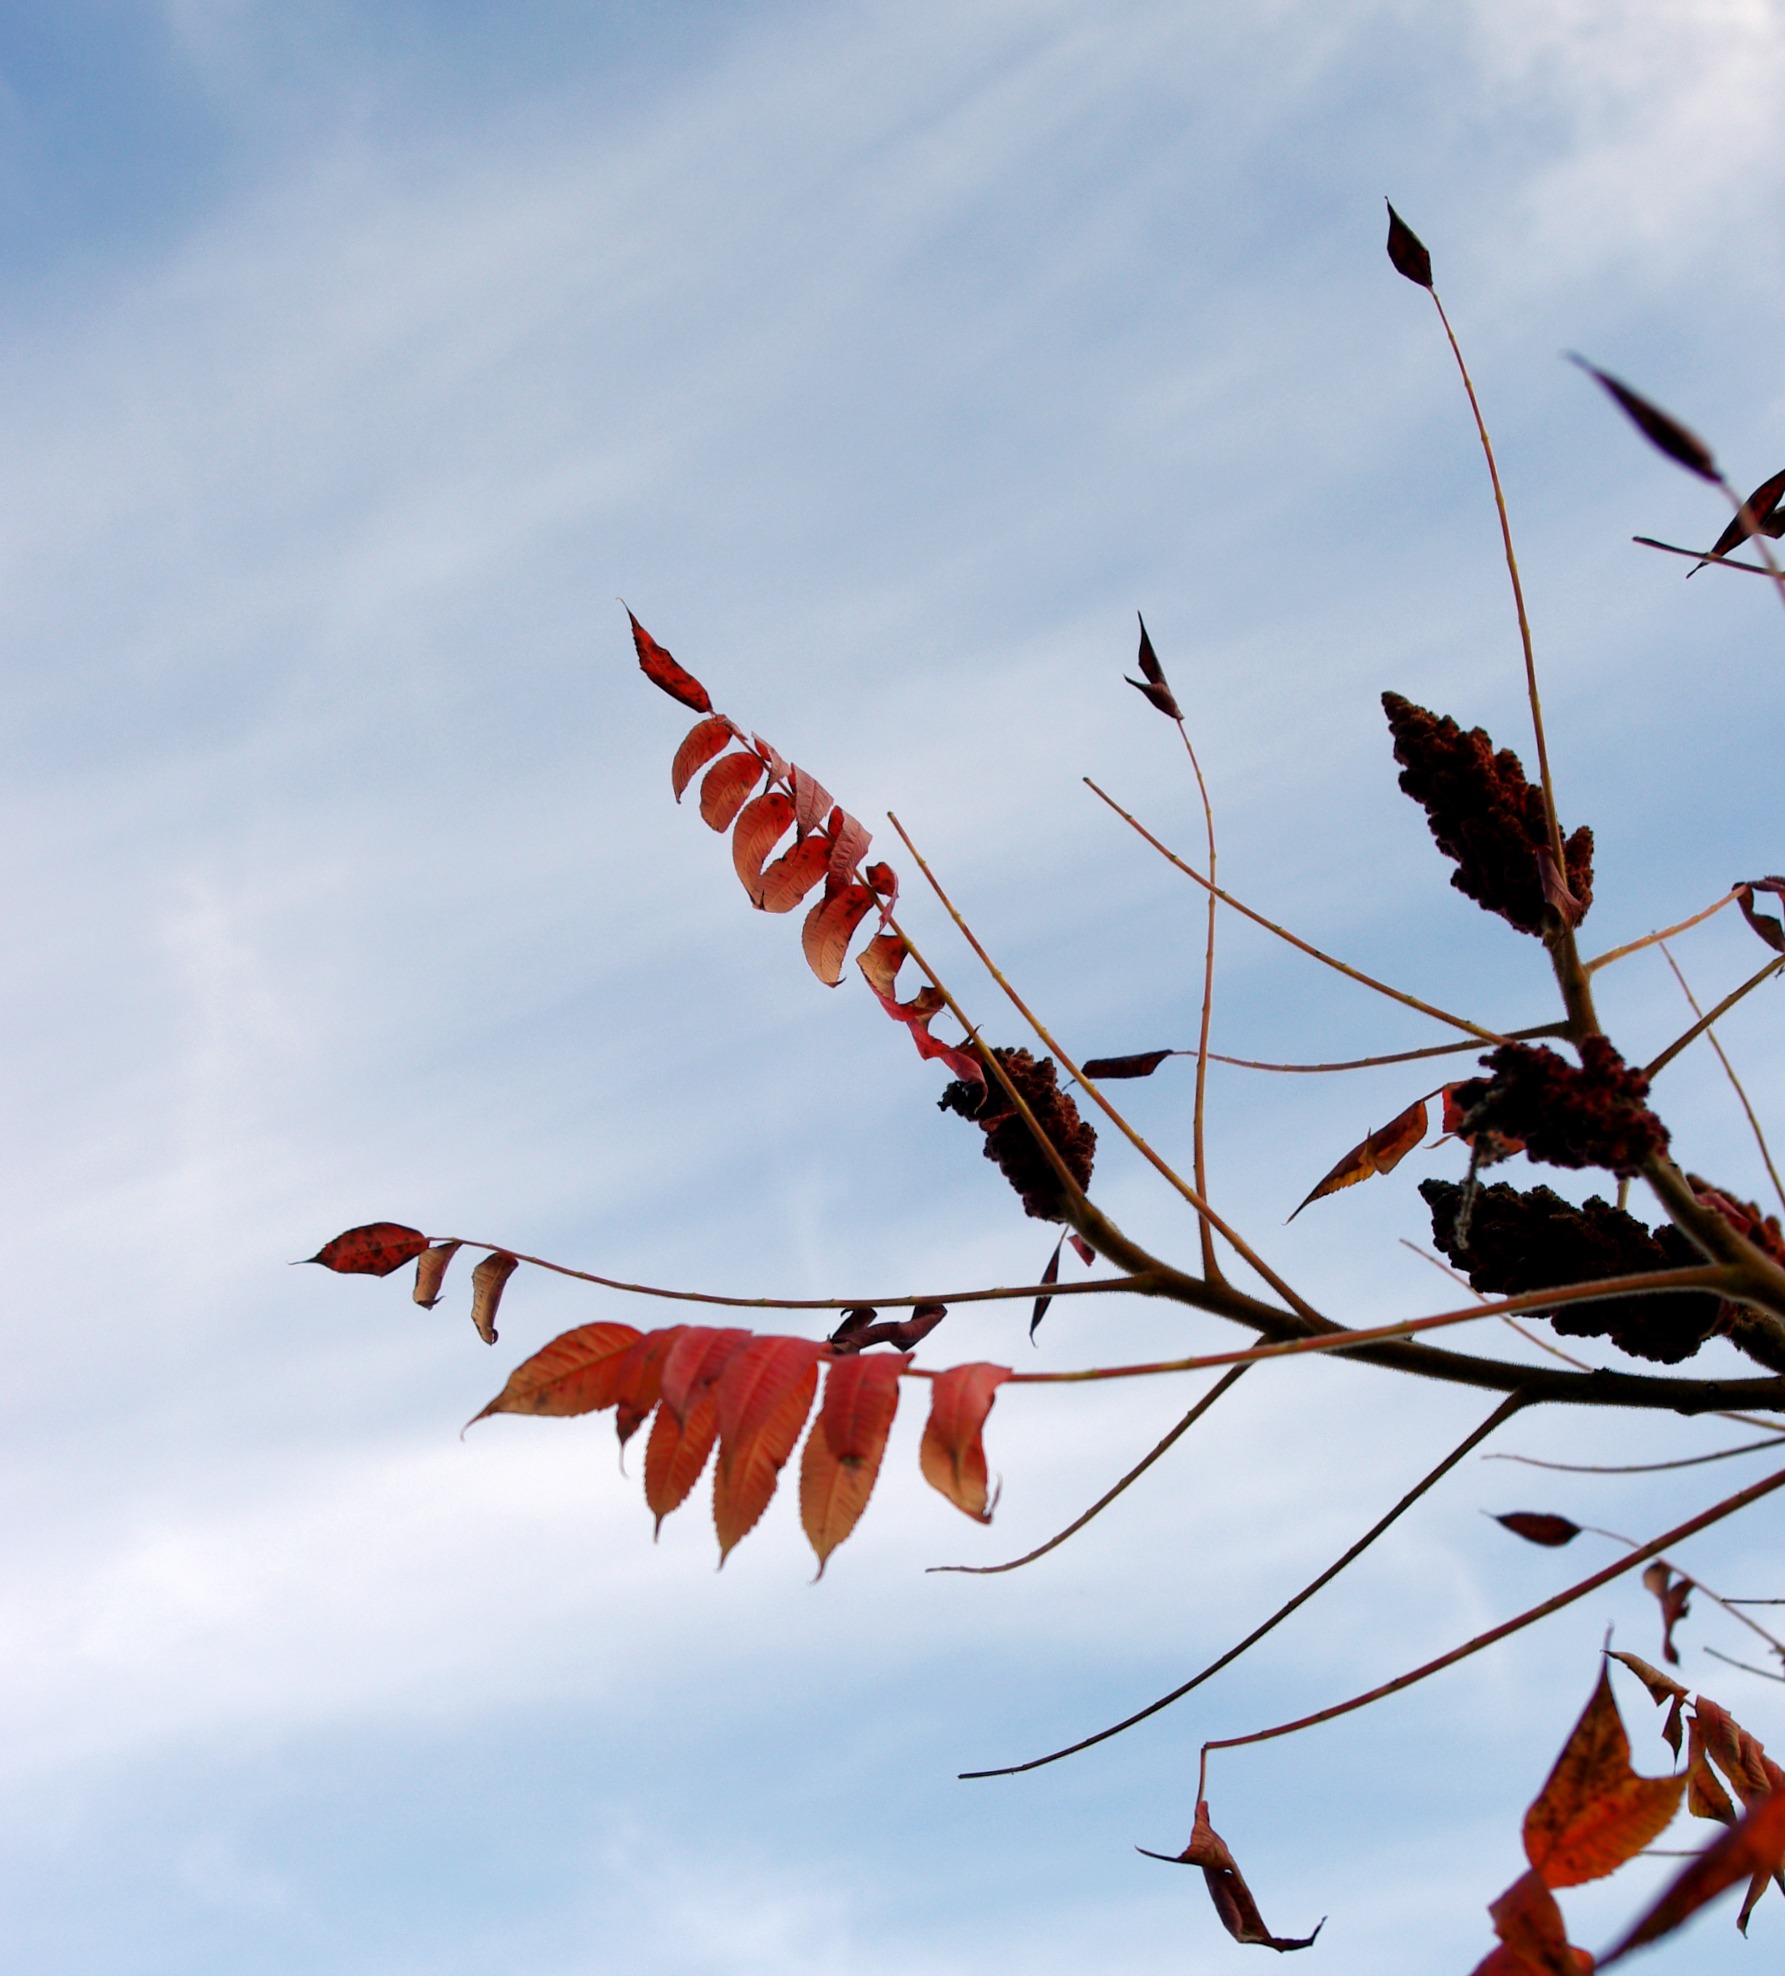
[(1666, 933), (1660, 1063), (1729, 1072), (1639, 1467)]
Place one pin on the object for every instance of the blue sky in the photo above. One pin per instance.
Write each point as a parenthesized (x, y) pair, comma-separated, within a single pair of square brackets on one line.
[(886, 360)]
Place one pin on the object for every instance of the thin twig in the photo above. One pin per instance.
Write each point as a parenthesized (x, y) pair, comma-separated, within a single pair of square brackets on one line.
[(1199, 1163), (1729, 1072), (1666, 933), (1541, 1029), (1103, 1502), (1501, 1414), (1660, 1063), (1639, 1467), (1283, 933), (1699, 556), (1747, 1666), (1698, 1585)]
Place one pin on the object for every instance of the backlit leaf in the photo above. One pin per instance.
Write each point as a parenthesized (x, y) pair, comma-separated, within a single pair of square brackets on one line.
[(1664, 1690), (430, 1272), (1381, 1152), (760, 827), (1142, 1064), (880, 960), (1538, 1527), (1407, 251), (1749, 1851), (1705, 1796), (1227, 1887), (676, 1453), (1680, 443), (843, 1451), (661, 670), (1595, 1812), (1529, 1924), (705, 739), (373, 1250), (764, 1395), (792, 876), (812, 800), (829, 927), (778, 768), (726, 786), (952, 1456), (488, 1280), (638, 1379), (578, 1372), (849, 846), (695, 1361)]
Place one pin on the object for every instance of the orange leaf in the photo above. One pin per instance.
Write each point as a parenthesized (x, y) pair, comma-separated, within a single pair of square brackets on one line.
[(700, 744), (374, 1250), (811, 800), (661, 670), (1381, 1152), (760, 828), (676, 1453), (578, 1372), (487, 1282), (829, 927), (844, 1449), (849, 845), (880, 960), (1753, 1850), (430, 1272), (726, 787), (764, 1395), (1674, 1595), (1664, 1692), (694, 1361), (791, 877), (1529, 1924), (1595, 1812), (1705, 1797), (952, 1456), (1227, 1887), (638, 1379)]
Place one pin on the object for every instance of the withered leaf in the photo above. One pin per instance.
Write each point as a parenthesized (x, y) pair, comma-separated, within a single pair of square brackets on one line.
[(1750, 1851), (1152, 680), (1049, 1275), (764, 1395), (952, 1455), (726, 786), (705, 739), (1760, 514), (487, 1282), (1705, 1796), (1769, 929), (1539, 1527), (1595, 1812), (661, 670), (372, 1250), (1529, 1924), (859, 1329), (1142, 1064), (578, 1372), (1407, 252), (1681, 445), (829, 927), (1381, 1152), (1673, 1595), (430, 1272), (844, 1449), (1227, 1887), (760, 827), (1664, 1691)]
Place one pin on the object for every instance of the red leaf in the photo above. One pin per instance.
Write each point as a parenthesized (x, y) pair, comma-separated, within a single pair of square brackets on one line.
[(677, 1452), (374, 1250), (760, 828), (1769, 929), (1529, 1924), (430, 1272), (764, 1395), (700, 744), (859, 1330), (952, 1456), (1760, 514), (1049, 1275), (830, 926), (578, 1372), (885, 882), (726, 786), (1152, 680), (488, 1280), (1594, 1812), (778, 769), (1227, 1887), (1674, 1595), (1664, 1691), (1753, 1849), (1538, 1527), (1142, 1064), (661, 670), (848, 847), (791, 877), (1381, 1152), (811, 800), (1082, 1249), (843, 1451), (1680, 443), (880, 960), (694, 1361), (1407, 251), (638, 1379)]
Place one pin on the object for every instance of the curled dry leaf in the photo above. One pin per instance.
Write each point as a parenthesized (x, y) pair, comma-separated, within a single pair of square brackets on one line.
[(1674, 1595), (1152, 681), (829, 927), (859, 1330), (1381, 1152), (430, 1272), (849, 845), (1595, 1812), (705, 739), (1705, 1796), (1407, 251), (844, 1449), (726, 786), (952, 1455), (1750, 1851), (578, 1372), (1680, 443), (1533, 1940), (488, 1280), (1769, 928), (373, 1250), (1142, 1064), (1664, 1691), (764, 1395), (661, 670), (761, 825), (1539, 1527), (880, 961), (1049, 1275), (1227, 1887), (1760, 514)]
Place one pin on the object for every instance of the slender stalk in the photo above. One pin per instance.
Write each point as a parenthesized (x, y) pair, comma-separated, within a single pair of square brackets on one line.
[(1282, 932), (1766, 973), (1639, 1467), (1199, 1162), (1710, 1035), (1540, 1030), (1666, 933), (1698, 556), (1500, 1415), (1221, 1385), (1698, 1585)]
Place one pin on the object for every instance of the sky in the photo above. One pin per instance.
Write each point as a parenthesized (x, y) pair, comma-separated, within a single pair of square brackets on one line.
[(886, 360)]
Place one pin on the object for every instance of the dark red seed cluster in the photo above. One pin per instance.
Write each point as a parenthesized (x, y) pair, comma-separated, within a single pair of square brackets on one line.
[(1011, 1146), (1586, 1114), (1535, 1240), (1485, 816)]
